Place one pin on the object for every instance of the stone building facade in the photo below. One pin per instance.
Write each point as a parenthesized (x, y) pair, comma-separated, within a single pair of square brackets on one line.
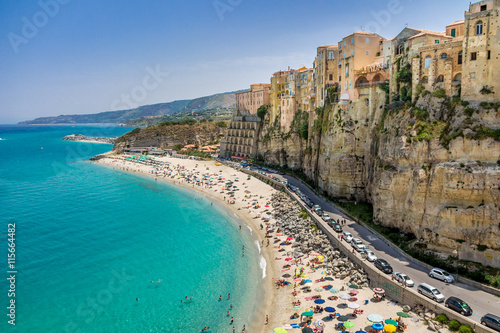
[(250, 100), (241, 138)]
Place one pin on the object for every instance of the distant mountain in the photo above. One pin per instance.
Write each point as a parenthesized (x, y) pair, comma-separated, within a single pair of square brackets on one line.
[(218, 101)]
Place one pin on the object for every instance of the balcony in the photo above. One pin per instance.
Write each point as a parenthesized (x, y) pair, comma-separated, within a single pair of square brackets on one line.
[(372, 69), (367, 84)]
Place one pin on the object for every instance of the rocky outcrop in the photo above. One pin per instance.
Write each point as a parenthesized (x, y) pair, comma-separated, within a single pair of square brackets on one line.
[(93, 139), (431, 168)]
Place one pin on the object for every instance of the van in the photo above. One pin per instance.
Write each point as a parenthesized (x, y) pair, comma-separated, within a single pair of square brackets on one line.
[(431, 292)]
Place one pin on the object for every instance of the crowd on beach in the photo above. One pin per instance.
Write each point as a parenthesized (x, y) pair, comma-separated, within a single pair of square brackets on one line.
[(300, 273)]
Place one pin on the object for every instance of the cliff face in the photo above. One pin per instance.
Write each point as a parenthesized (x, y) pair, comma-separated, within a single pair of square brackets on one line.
[(162, 137), (431, 169)]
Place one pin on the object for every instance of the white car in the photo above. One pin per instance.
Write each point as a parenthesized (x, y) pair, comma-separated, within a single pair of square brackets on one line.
[(442, 275), (347, 236), (368, 254), (357, 244), (402, 277), (326, 217)]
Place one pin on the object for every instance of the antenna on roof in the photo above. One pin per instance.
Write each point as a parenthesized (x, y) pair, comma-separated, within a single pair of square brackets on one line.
[(407, 24)]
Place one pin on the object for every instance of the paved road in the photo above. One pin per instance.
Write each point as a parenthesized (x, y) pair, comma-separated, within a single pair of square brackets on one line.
[(480, 301)]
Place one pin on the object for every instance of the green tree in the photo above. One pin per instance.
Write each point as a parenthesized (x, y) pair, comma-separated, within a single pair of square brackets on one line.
[(221, 124), (261, 111), (404, 75), (178, 147), (304, 131)]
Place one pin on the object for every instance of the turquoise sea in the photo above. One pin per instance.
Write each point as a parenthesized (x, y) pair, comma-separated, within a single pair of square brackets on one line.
[(90, 239)]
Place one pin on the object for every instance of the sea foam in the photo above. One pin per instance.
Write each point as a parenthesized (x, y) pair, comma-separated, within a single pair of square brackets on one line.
[(263, 265), (258, 246)]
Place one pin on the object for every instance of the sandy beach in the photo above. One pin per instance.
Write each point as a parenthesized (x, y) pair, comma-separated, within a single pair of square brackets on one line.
[(296, 281)]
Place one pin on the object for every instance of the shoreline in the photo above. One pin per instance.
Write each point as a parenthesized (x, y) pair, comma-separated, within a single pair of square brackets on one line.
[(268, 296)]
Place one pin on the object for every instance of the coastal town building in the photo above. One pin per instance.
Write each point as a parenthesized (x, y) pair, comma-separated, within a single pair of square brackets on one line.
[(241, 138), (325, 72), (250, 100)]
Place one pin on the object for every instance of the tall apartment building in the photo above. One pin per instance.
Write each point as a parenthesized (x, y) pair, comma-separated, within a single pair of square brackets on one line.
[(250, 100), (325, 72), (357, 52), (481, 52)]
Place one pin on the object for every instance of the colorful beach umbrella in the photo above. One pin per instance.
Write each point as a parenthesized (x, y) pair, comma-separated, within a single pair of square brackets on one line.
[(289, 238), (375, 318), (389, 328), (403, 314), (329, 309), (280, 330), (378, 290), (319, 289), (353, 286), (334, 290), (353, 305), (288, 259), (360, 332), (348, 324), (318, 323), (344, 296), (319, 301), (377, 326), (353, 292), (390, 322), (307, 314)]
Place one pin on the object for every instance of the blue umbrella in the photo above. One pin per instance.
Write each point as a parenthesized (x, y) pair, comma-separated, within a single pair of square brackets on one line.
[(377, 326), (319, 301), (307, 281), (329, 309), (360, 332)]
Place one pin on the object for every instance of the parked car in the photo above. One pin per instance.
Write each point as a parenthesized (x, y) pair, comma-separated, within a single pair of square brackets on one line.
[(347, 236), (491, 321), (383, 266), (442, 275), (310, 204), (317, 208), (326, 217), (431, 292), (357, 244), (368, 254), (337, 227), (458, 305), (402, 277)]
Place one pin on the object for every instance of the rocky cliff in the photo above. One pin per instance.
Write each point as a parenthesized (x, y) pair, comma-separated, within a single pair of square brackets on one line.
[(431, 168), (167, 136)]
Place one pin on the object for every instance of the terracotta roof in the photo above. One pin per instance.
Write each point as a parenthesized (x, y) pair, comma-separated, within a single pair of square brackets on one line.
[(426, 32), (260, 84)]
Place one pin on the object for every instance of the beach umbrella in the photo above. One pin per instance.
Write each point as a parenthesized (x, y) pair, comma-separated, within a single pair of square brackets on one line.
[(319, 289), (296, 307), (375, 318), (344, 296), (289, 238), (328, 278), (288, 259), (377, 326), (318, 323), (307, 314), (353, 292), (319, 301), (348, 324), (282, 244), (403, 314), (307, 281), (390, 322), (353, 305), (286, 275), (329, 309), (389, 328), (378, 290), (342, 318), (321, 257), (268, 213), (307, 330), (305, 275), (278, 234), (353, 286), (334, 290), (360, 332), (280, 330)]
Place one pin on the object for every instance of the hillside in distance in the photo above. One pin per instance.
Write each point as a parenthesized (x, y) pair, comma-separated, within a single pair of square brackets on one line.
[(218, 101)]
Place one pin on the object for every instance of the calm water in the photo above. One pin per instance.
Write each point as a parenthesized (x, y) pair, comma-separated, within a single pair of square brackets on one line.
[(89, 239)]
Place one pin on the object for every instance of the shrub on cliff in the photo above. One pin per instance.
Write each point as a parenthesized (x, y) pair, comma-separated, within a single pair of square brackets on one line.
[(442, 319), (261, 111), (454, 325), (465, 329)]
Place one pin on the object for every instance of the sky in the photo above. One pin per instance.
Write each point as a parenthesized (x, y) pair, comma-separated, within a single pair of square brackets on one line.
[(89, 56)]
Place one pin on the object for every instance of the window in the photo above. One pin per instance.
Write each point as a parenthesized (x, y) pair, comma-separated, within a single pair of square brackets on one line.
[(479, 28), (330, 55), (367, 102), (489, 55), (352, 53), (345, 43), (344, 55), (367, 52), (330, 77), (460, 57), (443, 56), (352, 40), (368, 41), (340, 78), (427, 62), (473, 56), (347, 70), (453, 32), (472, 75), (484, 7), (436, 41)]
